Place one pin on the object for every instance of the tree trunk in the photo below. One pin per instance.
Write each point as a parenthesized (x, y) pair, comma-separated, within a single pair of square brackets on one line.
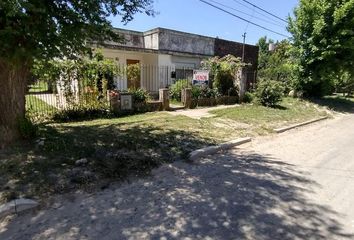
[(13, 84)]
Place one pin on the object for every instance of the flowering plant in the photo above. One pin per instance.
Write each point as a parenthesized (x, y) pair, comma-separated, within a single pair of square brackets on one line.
[(113, 93)]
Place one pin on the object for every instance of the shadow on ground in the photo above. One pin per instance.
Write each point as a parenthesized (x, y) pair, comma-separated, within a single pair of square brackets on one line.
[(231, 196), (110, 153), (338, 104)]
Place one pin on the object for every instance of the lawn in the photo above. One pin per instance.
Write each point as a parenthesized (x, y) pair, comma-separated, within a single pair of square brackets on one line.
[(38, 87), (336, 103), (112, 149), (176, 103), (37, 107), (263, 120)]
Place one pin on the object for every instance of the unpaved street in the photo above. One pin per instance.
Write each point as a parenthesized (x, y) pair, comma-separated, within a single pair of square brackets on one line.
[(296, 185)]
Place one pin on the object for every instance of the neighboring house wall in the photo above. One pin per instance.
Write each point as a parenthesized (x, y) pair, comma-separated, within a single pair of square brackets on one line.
[(224, 47)]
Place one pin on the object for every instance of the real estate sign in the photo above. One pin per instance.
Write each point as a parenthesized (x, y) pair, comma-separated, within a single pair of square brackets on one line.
[(200, 77)]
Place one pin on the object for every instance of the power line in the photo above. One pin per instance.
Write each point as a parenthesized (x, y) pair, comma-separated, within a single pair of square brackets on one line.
[(243, 19), (265, 11), (260, 13), (250, 15), (249, 23)]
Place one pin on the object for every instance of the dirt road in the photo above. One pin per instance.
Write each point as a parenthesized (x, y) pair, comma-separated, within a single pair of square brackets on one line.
[(296, 185)]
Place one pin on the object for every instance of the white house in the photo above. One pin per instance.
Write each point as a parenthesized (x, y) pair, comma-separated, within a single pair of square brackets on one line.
[(166, 55)]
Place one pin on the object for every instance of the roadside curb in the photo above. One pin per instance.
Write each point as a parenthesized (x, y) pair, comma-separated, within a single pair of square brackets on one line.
[(17, 206), (213, 149), (284, 129)]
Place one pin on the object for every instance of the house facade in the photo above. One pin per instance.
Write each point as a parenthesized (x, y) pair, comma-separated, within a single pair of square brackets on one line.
[(166, 55)]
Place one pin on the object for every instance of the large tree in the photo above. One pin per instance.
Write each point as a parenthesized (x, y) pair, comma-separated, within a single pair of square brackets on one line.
[(323, 35), (278, 64), (39, 29)]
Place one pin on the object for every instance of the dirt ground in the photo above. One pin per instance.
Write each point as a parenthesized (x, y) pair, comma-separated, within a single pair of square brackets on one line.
[(296, 185)]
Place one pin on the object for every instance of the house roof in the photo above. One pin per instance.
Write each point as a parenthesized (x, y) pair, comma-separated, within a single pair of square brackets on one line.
[(167, 41)]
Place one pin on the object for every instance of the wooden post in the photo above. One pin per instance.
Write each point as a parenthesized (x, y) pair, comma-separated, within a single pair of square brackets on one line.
[(164, 96), (242, 84), (187, 97)]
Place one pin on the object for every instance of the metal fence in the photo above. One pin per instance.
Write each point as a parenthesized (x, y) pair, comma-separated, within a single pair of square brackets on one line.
[(251, 79), (44, 98), (40, 99), (153, 77)]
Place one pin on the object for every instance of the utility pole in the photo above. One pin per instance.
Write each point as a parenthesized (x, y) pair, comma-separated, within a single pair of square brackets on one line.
[(243, 46), (242, 82)]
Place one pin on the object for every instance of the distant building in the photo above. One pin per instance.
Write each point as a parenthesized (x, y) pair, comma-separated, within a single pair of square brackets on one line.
[(166, 55)]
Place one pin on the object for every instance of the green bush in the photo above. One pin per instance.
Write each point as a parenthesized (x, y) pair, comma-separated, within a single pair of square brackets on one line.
[(224, 81), (222, 72), (207, 92), (269, 92), (139, 95), (82, 113), (196, 92), (249, 97), (204, 92), (233, 91), (27, 129), (176, 88)]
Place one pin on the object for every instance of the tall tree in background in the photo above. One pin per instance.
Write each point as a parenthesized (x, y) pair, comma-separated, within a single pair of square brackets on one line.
[(264, 54), (37, 29), (323, 37), (277, 65)]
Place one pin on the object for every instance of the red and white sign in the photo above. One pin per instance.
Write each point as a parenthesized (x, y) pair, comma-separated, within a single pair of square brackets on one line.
[(200, 77)]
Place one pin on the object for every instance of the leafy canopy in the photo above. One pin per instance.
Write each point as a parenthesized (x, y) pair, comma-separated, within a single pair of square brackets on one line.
[(56, 28), (87, 70), (278, 65), (323, 35), (223, 72)]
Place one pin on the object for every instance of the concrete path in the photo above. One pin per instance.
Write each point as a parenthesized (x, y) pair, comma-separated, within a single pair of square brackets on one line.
[(296, 185), (199, 113)]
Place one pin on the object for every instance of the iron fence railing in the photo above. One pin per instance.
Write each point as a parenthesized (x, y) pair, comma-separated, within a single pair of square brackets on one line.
[(44, 98)]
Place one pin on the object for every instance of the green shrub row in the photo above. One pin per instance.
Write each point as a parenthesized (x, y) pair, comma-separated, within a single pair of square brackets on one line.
[(269, 92)]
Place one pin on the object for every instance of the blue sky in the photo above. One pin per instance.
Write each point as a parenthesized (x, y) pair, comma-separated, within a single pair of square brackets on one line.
[(196, 17)]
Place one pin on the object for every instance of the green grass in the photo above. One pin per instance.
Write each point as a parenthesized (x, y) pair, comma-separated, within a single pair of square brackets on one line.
[(38, 87), (118, 147), (263, 120), (175, 102), (36, 104), (336, 103), (135, 144), (37, 108)]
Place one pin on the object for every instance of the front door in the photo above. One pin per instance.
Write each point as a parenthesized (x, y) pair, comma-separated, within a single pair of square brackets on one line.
[(133, 73)]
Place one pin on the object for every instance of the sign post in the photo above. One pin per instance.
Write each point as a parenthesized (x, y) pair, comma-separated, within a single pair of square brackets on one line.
[(200, 77)]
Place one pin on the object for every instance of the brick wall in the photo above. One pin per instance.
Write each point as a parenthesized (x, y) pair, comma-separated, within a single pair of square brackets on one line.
[(224, 47)]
